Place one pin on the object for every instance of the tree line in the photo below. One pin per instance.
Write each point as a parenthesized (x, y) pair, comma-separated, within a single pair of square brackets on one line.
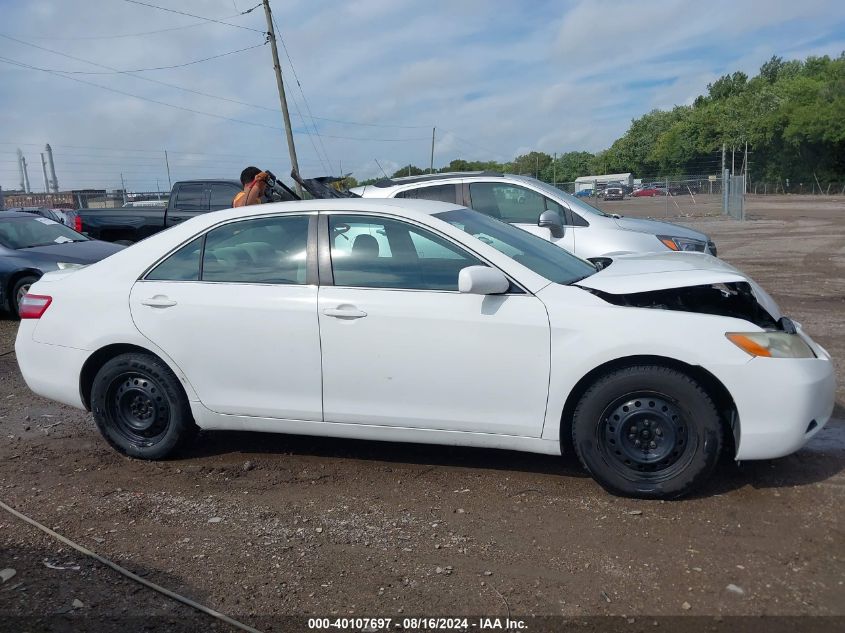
[(791, 115)]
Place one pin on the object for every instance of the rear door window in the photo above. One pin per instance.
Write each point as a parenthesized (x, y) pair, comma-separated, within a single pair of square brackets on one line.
[(183, 265), (193, 197), (439, 193), (259, 251), (506, 202)]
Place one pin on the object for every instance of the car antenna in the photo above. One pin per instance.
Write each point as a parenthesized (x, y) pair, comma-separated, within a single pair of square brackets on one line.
[(382, 168)]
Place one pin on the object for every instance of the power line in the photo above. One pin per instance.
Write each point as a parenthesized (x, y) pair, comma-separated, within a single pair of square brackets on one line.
[(140, 70), (206, 94), (304, 99), (200, 17), (129, 94), (140, 34)]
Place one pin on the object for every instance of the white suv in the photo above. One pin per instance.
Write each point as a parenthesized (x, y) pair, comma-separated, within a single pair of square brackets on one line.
[(544, 210)]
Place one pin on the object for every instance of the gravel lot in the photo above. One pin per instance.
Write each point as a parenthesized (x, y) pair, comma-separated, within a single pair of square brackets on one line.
[(258, 526)]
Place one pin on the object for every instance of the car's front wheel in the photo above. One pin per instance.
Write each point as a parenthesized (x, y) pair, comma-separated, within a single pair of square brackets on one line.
[(647, 431), (19, 291), (140, 406)]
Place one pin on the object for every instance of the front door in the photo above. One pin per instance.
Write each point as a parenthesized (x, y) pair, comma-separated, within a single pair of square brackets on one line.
[(235, 310), (402, 347)]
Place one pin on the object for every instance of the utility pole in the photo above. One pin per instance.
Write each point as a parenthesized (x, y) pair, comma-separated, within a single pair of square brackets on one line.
[(167, 162), (537, 170), (271, 36), (745, 167), (723, 158), (733, 161), (554, 171), (123, 187), (431, 164)]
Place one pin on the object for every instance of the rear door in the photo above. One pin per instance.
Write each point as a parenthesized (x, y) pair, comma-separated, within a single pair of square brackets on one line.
[(236, 309)]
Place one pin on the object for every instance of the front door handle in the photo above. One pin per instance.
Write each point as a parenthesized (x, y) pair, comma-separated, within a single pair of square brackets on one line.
[(345, 312), (158, 301)]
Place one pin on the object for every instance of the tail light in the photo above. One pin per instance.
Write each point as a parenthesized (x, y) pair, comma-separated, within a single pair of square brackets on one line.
[(33, 306), (77, 224)]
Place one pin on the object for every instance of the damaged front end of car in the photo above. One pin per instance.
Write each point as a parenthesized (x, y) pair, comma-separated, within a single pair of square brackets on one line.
[(732, 299)]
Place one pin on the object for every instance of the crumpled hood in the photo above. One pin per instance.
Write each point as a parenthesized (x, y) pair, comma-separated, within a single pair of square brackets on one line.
[(656, 227), (628, 274)]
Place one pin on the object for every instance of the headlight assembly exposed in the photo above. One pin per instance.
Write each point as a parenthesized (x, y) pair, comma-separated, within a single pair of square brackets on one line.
[(682, 243), (771, 344)]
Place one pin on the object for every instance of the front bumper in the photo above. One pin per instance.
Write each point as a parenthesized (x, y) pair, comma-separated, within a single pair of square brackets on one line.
[(781, 403)]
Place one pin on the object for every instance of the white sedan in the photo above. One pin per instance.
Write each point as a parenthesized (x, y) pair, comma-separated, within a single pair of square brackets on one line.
[(420, 321)]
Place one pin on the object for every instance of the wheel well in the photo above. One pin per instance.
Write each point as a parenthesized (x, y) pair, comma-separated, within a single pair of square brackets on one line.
[(713, 386), (97, 360)]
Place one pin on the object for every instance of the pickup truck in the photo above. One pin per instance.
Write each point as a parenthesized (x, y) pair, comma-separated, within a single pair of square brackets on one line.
[(128, 225)]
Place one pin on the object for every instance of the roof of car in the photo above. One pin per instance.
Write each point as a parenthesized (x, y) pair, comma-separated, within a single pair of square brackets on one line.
[(352, 205), (16, 215), (405, 180)]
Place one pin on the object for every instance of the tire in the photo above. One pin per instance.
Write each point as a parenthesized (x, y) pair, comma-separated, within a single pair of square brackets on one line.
[(140, 407), (647, 431), (20, 288)]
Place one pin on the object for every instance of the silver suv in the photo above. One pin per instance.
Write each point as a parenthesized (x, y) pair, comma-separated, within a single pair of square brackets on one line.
[(546, 211)]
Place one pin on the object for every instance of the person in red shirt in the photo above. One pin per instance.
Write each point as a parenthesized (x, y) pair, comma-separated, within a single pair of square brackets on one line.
[(254, 182)]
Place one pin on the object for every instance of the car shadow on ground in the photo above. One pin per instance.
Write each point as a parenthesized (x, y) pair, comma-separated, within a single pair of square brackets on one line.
[(822, 460), (244, 443)]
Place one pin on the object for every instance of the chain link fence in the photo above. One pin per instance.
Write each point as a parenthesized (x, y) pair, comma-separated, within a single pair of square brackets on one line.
[(781, 187)]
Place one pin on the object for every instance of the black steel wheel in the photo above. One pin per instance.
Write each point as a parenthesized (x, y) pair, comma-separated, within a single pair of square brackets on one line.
[(140, 407), (647, 431)]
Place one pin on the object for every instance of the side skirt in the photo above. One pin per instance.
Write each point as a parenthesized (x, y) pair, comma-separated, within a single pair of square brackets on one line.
[(211, 421)]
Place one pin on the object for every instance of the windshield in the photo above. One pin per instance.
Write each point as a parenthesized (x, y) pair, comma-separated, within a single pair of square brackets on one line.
[(574, 202), (541, 256), (29, 232)]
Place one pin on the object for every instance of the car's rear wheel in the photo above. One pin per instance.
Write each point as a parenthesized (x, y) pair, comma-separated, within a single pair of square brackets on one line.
[(647, 431), (19, 290), (140, 407)]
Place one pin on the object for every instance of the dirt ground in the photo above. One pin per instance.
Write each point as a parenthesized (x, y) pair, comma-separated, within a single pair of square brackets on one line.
[(262, 526)]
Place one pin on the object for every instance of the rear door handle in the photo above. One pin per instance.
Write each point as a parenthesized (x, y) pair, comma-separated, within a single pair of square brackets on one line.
[(158, 301), (345, 312)]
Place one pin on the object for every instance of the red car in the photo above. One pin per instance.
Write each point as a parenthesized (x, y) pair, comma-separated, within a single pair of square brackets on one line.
[(648, 192)]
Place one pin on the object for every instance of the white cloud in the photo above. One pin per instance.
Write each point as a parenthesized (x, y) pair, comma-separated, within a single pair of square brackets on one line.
[(495, 78)]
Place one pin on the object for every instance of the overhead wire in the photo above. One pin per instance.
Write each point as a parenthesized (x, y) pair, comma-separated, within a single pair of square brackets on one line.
[(299, 85), (200, 17), (60, 74), (124, 35), (141, 70)]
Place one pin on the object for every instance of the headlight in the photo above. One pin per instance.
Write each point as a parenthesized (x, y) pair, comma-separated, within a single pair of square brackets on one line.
[(771, 344), (682, 243), (69, 265)]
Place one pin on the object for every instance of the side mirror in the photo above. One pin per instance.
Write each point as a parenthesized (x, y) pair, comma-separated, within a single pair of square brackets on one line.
[(482, 280), (551, 220)]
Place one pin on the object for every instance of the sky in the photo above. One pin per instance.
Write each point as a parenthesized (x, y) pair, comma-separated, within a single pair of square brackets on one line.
[(366, 80)]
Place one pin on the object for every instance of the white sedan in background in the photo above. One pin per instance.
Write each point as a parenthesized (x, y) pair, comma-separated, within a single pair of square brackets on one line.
[(420, 321)]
